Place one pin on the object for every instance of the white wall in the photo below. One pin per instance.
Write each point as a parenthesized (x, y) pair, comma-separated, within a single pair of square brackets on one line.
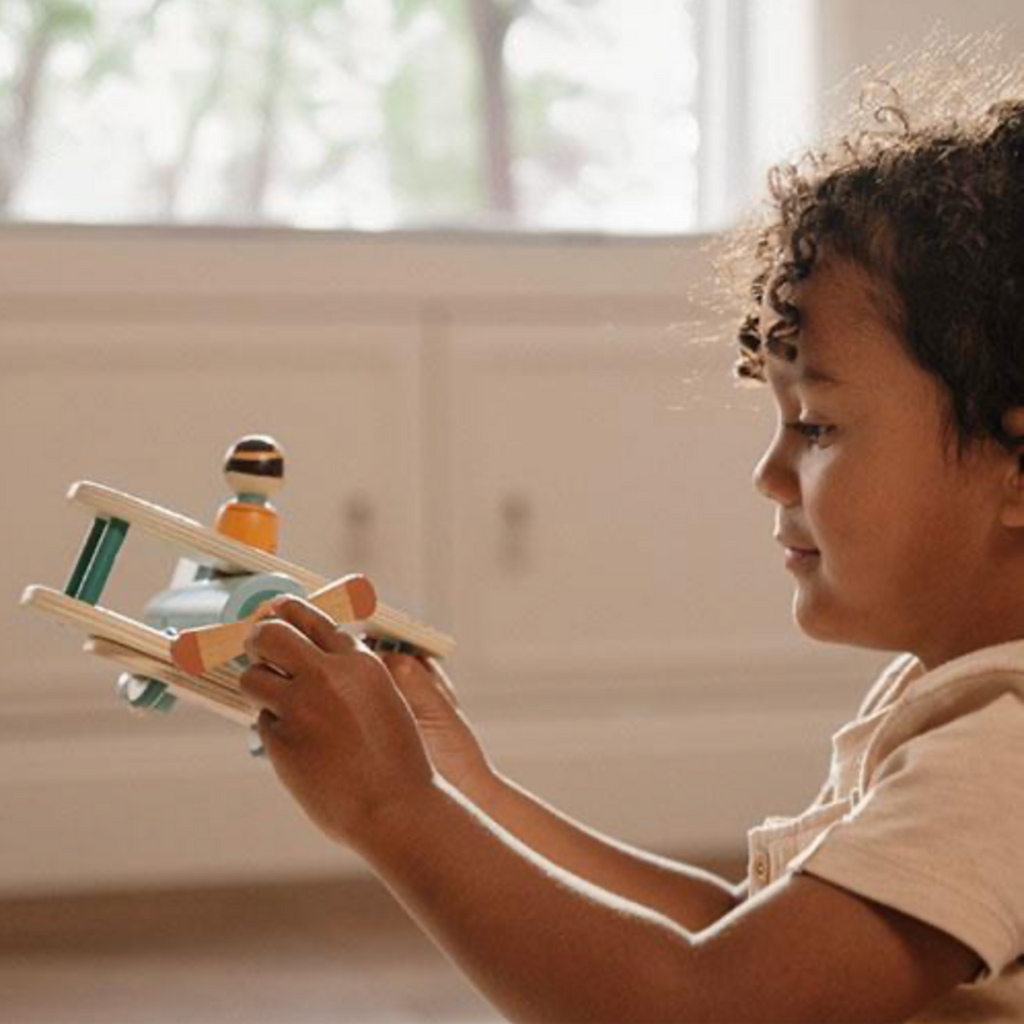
[(865, 32)]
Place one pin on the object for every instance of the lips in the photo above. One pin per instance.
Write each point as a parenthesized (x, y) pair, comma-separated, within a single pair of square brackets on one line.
[(798, 560), (793, 545)]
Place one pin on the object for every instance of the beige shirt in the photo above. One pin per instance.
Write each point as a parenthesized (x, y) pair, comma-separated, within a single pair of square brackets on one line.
[(923, 811)]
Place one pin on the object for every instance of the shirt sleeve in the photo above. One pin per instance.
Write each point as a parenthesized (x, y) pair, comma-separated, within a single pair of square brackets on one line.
[(939, 832)]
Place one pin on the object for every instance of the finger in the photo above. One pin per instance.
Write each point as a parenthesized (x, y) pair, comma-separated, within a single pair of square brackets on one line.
[(417, 684), (272, 733), (445, 680), (264, 689), (438, 677), (313, 623), (278, 643)]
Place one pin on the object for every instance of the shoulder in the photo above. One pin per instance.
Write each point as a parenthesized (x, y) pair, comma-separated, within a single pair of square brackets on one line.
[(979, 702), (934, 832), (806, 950)]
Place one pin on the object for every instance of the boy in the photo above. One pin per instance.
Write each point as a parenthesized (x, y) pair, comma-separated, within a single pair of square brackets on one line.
[(889, 324)]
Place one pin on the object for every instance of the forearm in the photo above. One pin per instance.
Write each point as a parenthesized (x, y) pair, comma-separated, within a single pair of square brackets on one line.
[(538, 942), (689, 895)]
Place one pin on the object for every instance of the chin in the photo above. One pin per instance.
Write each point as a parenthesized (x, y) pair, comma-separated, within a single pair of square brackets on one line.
[(814, 621), (832, 626)]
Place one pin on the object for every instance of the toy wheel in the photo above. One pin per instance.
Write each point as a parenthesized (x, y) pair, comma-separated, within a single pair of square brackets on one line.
[(142, 694)]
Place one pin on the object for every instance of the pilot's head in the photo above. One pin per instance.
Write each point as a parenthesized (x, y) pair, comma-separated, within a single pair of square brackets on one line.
[(254, 465)]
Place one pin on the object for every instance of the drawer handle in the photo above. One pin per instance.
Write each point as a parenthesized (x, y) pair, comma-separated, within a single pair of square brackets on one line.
[(517, 515), (360, 517)]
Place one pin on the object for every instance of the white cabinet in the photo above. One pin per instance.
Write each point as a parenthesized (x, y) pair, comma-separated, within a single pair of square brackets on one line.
[(604, 522)]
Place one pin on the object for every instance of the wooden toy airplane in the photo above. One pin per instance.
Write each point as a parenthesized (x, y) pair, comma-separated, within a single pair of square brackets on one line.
[(197, 664)]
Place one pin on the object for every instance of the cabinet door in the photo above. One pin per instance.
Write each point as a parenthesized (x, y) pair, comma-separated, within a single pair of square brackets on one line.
[(605, 525), (151, 409)]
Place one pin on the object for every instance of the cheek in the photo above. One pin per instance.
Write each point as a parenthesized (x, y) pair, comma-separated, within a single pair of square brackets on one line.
[(870, 513), (850, 510), (840, 501)]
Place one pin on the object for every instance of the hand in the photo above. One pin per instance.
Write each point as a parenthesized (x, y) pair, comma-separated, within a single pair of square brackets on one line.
[(336, 729), (449, 738)]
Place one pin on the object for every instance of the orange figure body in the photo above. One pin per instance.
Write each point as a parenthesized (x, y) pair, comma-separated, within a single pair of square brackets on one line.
[(255, 524), (254, 468)]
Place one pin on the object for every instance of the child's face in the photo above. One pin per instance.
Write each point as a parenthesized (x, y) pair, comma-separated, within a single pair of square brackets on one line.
[(912, 554)]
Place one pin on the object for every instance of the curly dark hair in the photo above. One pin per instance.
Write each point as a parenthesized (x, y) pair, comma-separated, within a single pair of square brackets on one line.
[(935, 215)]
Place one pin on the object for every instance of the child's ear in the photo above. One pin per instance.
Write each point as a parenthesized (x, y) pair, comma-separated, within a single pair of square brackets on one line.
[(1013, 507)]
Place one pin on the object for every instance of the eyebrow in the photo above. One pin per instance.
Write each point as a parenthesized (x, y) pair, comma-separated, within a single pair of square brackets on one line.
[(808, 374), (812, 375), (786, 353)]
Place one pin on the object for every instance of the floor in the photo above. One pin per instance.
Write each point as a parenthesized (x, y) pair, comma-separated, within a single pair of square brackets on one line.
[(279, 954), (295, 954)]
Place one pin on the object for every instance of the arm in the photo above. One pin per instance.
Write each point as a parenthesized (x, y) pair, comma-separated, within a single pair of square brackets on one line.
[(688, 895), (540, 943)]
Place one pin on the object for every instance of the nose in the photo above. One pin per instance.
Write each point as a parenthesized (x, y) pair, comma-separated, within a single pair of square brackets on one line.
[(774, 477)]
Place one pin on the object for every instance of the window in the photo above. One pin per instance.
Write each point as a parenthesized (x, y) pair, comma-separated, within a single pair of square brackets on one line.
[(622, 116)]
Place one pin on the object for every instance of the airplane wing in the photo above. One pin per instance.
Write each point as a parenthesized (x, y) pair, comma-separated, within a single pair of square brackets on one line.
[(144, 651), (189, 536)]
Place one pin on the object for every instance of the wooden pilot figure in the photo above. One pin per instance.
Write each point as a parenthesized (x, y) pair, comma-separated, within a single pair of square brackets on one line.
[(209, 593), (254, 469)]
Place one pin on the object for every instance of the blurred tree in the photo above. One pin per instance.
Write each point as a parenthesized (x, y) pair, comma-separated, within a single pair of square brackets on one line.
[(282, 96), (311, 111), (491, 21), (429, 133), (38, 26), (253, 170), (168, 175), (471, 168)]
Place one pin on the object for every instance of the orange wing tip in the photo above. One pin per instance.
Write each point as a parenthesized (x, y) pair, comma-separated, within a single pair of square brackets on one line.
[(363, 597), (186, 654)]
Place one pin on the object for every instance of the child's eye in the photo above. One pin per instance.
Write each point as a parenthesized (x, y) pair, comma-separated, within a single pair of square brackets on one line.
[(814, 432)]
